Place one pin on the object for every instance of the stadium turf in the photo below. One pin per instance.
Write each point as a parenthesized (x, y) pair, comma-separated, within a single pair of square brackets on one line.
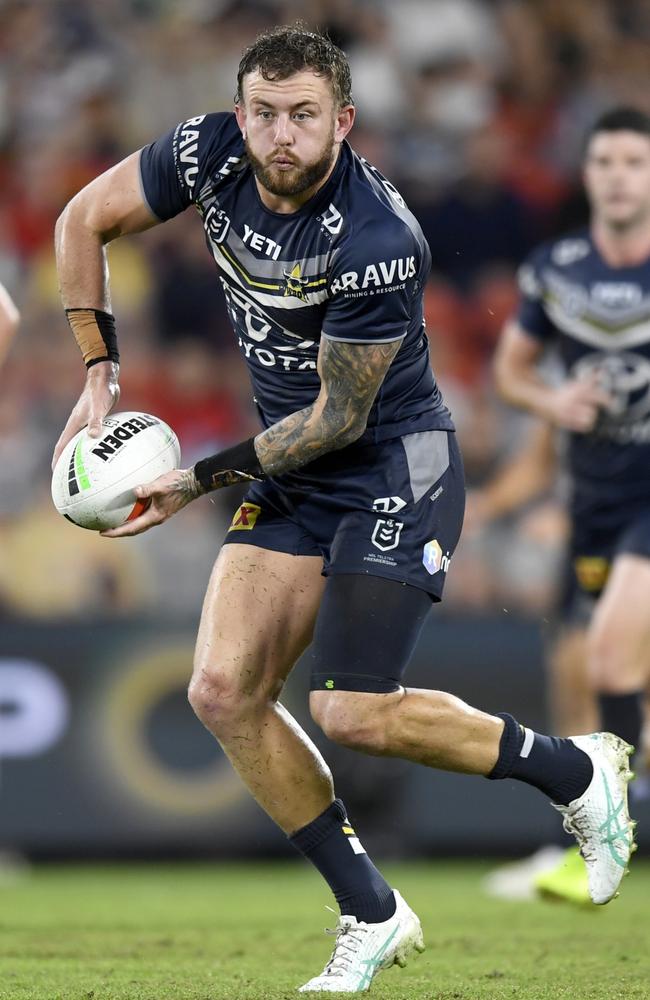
[(225, 932)]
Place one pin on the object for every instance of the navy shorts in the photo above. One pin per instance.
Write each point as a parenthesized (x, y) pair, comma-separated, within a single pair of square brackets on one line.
[(393, 510), (597, 541)]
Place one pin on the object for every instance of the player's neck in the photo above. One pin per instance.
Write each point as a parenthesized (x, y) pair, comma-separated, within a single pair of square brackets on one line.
[(622, 248), (285, 205)]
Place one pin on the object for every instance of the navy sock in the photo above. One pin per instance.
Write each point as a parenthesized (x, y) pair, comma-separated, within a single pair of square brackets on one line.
[(622, 714), (331, 845), (556, 766)]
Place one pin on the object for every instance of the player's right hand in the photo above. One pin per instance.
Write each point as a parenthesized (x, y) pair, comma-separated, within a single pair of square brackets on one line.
[(100, 394), (577, 404), (159, 499)]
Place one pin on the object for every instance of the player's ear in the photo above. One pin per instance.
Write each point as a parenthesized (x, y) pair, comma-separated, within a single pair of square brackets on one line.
[(344, 122), (240, 115)]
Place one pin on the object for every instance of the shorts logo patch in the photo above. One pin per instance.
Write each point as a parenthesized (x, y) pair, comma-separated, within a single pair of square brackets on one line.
[(389, 505), (245, 517), (591, 572), (386, 534), (432, 558)]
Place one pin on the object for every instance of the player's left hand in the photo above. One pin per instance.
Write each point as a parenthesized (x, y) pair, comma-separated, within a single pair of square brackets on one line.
[(166, 495)]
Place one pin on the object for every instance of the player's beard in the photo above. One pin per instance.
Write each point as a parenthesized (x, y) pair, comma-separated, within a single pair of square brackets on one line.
[(289, 183)]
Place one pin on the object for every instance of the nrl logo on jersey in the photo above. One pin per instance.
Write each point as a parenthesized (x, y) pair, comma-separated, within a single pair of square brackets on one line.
[(295, 283), (217, 224)]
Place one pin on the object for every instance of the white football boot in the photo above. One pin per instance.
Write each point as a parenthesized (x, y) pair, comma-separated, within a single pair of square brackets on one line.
[(362, 950), (599, 818)]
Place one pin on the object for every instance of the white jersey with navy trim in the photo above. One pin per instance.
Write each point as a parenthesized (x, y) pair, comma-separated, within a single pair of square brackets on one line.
[(351, 263), (599, 318)]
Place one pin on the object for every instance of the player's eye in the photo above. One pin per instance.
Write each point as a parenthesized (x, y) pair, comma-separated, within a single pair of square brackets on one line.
[(301, 116), (266, 116)]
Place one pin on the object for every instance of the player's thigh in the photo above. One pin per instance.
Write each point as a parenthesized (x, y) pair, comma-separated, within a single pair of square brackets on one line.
[(619, 634), (258, 617)]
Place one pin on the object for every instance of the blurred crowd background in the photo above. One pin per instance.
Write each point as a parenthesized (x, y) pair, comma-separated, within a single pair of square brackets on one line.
[(476, 110)]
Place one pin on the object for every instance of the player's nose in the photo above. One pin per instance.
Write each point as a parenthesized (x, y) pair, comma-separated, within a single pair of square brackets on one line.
[(283, 135)]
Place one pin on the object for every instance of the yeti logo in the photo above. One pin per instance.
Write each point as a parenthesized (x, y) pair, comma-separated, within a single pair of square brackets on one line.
[(386, 534)]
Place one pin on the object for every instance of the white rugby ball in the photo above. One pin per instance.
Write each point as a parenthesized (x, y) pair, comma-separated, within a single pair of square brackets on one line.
[(94, 478)]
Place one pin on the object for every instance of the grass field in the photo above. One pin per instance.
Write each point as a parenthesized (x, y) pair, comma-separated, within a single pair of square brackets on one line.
[(225, 932)]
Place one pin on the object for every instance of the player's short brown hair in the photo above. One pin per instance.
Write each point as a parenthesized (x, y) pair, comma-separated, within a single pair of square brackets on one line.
[(283, 51), (621, 119)]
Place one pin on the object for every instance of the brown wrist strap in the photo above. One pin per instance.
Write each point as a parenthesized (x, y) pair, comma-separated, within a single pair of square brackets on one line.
[(94, 331)]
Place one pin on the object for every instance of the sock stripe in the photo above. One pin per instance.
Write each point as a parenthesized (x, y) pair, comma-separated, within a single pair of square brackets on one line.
[(332, 846), (527, 746)]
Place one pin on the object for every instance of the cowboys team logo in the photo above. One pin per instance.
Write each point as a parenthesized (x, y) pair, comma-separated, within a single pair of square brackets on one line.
[(295, 283), (245, 517), (386, 534)]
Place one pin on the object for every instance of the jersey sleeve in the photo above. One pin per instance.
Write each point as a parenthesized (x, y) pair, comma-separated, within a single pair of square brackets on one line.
[(371, 286), (174, 168), (531, 314)]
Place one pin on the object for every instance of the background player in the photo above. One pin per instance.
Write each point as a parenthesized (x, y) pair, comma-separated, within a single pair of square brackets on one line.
[(590, 292), (531, 473), (359, 477)]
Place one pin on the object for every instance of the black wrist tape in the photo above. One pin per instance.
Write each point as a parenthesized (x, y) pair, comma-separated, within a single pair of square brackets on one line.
[(240, 458), (94, 331)]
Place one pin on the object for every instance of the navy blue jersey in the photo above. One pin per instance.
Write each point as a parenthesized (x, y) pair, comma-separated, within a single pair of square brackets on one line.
[(351, 263), (599, 317)]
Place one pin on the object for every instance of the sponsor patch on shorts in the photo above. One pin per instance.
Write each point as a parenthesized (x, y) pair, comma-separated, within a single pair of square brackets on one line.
[(245, 517), (432, 558), (591, 572)]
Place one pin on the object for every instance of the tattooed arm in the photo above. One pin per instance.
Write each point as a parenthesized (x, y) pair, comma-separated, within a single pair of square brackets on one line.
[(350, 375)]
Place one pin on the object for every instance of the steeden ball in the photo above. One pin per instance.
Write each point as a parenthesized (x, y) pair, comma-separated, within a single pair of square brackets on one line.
[(94, 479)]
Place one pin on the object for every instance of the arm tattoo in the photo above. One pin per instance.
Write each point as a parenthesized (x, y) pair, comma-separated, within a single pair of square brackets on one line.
[(190, 488), (350, 375), (187, 485)]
